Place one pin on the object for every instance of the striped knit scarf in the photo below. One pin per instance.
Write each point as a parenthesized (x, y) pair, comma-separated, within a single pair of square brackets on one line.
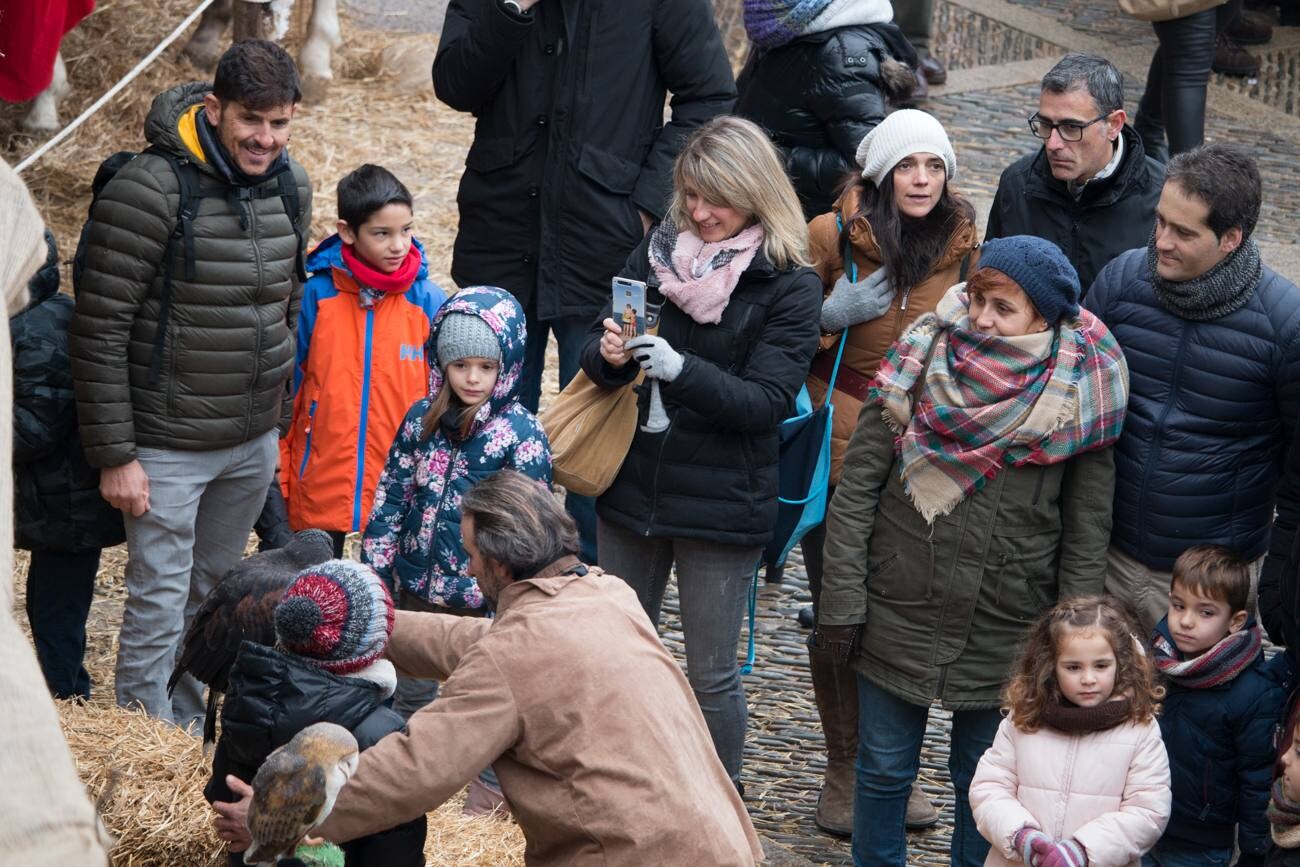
[(990, 402), (1220, 664), (773, 23), (1283, 818)]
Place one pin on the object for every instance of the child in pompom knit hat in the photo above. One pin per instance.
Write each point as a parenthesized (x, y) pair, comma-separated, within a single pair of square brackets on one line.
[(331, 626)]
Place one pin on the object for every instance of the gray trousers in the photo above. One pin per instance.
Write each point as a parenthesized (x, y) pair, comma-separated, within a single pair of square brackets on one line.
[(916, 19), (202, 506), (712, 590)]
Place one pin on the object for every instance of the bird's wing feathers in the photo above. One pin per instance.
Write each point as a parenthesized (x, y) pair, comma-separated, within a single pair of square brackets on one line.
[(289, 797), (240, 608)]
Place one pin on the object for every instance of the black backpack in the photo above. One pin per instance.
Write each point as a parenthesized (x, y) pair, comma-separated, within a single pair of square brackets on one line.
[(182, 236)]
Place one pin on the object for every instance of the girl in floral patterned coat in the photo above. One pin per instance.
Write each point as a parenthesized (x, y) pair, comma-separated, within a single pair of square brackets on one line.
[(470, 427)]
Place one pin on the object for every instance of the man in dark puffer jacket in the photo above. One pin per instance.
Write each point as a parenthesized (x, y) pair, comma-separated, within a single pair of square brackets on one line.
[(58, 513), (183, 423), (1212, 339)]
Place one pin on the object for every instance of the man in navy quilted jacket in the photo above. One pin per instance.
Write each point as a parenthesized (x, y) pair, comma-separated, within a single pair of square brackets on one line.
[(1212, 338)]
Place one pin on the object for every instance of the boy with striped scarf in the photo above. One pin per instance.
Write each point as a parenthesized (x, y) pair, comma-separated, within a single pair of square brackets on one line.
[(1221, 714)]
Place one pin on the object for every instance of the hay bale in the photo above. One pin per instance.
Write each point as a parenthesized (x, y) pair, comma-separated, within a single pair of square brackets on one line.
[(147, 780)]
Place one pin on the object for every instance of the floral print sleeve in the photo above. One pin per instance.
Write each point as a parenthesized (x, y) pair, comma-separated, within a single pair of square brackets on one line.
[(394, 495), (531, 455)]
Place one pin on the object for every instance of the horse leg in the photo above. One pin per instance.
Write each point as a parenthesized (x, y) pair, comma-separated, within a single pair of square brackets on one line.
[(323, 37), (44, 114), (204, 48)]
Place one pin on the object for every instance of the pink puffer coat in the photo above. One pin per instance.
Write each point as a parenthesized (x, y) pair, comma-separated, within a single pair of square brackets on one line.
[(1109, 790)]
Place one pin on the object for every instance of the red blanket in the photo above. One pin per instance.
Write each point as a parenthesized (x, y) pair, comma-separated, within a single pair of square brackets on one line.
[(30, 32)]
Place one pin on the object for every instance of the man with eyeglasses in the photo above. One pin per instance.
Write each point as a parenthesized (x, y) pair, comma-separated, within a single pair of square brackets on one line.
[(1090, 189)]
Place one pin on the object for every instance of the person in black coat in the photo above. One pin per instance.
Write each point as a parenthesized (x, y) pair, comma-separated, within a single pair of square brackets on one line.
[(735, 337), (819, 90), (332, 625), (571, 157), (1090, 189), (59, 515)]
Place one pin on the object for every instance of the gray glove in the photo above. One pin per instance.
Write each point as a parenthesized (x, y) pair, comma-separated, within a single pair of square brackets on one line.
[(656, 417), (850, 303), (656, 357)]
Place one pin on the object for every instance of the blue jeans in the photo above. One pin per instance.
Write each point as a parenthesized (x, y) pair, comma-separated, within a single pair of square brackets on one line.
[(570, 335), (890, 731), (1174, 854), (60, 586)]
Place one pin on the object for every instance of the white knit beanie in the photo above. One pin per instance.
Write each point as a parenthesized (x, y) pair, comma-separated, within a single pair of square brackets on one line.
[(901, 134)]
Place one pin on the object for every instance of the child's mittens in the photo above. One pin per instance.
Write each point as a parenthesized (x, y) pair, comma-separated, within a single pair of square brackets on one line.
[(1066, 853), (1032, 844)]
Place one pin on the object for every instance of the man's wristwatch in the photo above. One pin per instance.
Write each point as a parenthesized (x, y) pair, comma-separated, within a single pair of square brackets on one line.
[(513, 5)]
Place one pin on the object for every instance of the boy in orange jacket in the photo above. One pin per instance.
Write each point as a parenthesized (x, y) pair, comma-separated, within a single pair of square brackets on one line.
[(360, 364)]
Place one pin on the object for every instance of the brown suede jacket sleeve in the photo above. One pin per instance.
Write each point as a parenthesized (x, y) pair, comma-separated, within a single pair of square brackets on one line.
[(431, 645), (474, 721)]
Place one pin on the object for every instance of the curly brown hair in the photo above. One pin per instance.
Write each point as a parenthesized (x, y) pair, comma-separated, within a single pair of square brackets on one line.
[(1033, 683)]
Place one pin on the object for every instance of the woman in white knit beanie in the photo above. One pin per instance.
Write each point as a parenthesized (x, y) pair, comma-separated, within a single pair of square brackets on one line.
[(896, 239)]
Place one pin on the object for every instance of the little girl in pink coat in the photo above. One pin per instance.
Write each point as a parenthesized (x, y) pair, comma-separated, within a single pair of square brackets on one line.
[(1077, 775)]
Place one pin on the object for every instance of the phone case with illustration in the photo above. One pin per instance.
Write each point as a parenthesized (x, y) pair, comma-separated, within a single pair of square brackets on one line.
[(629, 306)]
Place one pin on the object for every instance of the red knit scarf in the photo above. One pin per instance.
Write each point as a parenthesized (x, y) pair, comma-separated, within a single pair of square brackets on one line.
[(398, 281)]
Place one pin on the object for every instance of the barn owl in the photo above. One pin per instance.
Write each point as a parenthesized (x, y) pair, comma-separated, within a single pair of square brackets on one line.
[(295, 788)]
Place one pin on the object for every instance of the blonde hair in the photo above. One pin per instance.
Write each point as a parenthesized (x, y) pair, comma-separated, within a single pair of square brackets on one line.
[(729, 161), (1033, 683)]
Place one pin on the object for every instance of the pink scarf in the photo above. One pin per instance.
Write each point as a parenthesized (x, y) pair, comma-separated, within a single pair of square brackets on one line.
[(699, 277)]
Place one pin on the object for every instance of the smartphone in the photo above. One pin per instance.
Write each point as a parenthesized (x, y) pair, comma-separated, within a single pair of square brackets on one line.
[(629, 306)]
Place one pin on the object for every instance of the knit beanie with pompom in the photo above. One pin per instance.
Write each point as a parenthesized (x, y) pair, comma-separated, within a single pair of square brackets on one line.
[(337, 615)]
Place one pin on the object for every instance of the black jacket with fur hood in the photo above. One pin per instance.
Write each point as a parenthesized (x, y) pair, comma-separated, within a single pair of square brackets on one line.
[(817, 97), (275, 695)]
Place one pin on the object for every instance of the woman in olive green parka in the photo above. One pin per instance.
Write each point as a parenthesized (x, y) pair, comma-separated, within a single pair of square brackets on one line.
[(959, 520)]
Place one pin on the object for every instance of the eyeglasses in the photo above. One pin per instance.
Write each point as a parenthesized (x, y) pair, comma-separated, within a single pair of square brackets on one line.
[(1069, 130)]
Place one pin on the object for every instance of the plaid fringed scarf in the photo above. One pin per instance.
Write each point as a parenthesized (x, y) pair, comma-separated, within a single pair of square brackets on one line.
[(990, 402), (1220, 664)]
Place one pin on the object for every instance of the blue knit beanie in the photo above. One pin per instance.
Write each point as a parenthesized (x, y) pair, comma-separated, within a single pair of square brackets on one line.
[(1041, 269)]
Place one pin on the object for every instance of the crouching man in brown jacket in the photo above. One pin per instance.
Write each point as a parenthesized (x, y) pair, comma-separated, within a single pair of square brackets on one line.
[(587, 720)]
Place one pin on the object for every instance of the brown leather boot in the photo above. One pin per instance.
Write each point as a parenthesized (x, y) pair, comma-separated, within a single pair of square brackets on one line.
[(484, 800), (920, 809), (1231, 59), (836, 690)]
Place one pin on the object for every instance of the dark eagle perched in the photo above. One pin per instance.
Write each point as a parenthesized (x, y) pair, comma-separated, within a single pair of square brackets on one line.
[(242, 608)]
